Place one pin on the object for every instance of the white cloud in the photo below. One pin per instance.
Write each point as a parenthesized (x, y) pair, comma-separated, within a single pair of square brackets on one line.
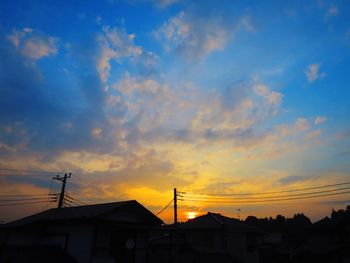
[(154, 104), (161, 4), (312, 72), (299, 126), (96, 133), (235, 112), (129, 86), (272, 98), (320, 120), (38, 48), (165, 3), (187, 113), (246, 23), (33, 43), (116, 44), (175, 31), (302, 124), (313, 134), (197, 36)]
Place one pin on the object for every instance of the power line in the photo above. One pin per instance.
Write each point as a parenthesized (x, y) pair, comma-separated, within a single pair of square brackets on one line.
[(262, 201), (274, 192), (75, 199), (72, 202), (80, 185), (28, 175), (1, 196), (88, 184), (83, 181), (165, 207), (66, 205), (29, 171), (69, 201), (28, 203), (50, 193), (74, 184), (271, 197), (28, 199), (71, 197)]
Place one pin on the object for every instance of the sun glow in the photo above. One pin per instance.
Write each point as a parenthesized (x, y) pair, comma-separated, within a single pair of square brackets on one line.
[(191, 215)]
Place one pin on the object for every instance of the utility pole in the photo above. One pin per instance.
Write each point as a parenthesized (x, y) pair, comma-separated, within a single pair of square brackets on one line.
[(63, 180), (173, 238), (175, 206)]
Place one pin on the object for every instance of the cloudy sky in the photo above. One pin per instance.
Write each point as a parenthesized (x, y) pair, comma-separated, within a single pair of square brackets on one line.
[(136, 97)]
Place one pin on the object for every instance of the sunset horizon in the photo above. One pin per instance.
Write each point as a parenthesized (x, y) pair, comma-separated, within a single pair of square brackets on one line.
[(242, 107)]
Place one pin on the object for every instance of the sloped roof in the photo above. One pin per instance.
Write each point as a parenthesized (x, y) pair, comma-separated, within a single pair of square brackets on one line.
[(324, 222), (122, 212), (217, 221)]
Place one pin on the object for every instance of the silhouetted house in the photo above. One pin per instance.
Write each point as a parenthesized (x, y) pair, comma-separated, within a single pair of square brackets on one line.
[(110, 232), (2, 235), (329, 240), (208, 238)]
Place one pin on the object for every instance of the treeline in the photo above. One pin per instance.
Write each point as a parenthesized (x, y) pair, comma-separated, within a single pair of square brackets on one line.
[(341, 216), (299, 221)]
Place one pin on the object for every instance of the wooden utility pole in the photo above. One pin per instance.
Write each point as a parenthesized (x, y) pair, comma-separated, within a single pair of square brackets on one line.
[(175, 206), (63, 180)]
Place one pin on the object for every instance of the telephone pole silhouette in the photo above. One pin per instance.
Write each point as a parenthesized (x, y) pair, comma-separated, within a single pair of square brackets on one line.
[(175, 206), (238, 213), (63, 180)]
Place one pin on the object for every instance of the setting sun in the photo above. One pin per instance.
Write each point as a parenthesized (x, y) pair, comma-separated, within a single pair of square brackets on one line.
[(133, 110), (191, 215)]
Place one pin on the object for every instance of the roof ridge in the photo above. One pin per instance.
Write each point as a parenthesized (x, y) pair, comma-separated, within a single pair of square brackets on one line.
[(83, 211), (214, 216)]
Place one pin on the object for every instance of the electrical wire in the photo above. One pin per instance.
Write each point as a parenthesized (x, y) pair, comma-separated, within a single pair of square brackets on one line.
[(273, 192), (66, 205), (28, 199), (262, 201), (165, 207), (79, 185), (5, 196), (29, 171), (74, 184), (270, 197), (75, 199), (36, 176), (71, 202), (88, 184), (50, 194), (28, 203)]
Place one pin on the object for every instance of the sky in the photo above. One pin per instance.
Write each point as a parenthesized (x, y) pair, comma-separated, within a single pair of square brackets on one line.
[(137, 97)]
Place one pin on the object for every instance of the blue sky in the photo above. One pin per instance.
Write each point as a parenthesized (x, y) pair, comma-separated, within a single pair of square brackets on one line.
[(141, 96)]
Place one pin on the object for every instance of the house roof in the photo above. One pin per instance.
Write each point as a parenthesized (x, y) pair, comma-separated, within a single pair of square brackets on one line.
[(121, 212), (217, 221), (324, 222)]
